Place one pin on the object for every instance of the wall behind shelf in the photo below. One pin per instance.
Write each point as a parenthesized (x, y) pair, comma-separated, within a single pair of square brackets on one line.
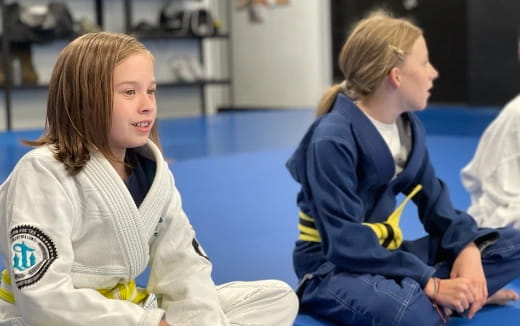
[(284, 61)]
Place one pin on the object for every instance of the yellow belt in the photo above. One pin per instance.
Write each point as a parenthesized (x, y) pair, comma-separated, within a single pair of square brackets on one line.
[(125, 291), (5, 287), (388, 232)]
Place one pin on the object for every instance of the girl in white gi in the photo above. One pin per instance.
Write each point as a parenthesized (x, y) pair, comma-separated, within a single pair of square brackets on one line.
[(492, 177), (95, 203), (365, 148)]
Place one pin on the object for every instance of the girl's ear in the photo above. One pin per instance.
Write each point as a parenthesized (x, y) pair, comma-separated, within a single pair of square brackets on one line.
[(394, 77)]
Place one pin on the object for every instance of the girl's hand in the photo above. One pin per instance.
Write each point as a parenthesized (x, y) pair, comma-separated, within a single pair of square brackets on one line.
[(468, 265), (454, 294), (163, 323)]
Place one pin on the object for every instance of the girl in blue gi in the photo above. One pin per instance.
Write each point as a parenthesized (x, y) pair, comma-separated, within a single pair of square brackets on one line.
[(365, 148), (84, 213)]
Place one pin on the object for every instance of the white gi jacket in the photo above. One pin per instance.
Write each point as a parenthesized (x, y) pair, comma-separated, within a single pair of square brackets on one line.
[(65, 236), (492, 177)]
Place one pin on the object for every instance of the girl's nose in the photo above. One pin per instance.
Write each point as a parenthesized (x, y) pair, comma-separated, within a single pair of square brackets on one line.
[(148, 103), (435, 73)]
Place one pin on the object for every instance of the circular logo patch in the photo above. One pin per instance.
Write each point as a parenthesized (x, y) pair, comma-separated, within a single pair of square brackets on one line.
[(33, 252)]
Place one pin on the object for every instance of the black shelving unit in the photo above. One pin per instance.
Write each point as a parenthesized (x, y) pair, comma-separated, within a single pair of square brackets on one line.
[(162, 35), (8, 86), (8, 73)]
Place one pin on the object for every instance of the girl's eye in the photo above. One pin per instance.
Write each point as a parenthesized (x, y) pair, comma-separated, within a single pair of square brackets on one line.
[(151, 91), (130, 92)]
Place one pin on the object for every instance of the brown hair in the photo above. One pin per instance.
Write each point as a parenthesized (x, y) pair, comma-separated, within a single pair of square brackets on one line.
[(79, 104), (375, 45)]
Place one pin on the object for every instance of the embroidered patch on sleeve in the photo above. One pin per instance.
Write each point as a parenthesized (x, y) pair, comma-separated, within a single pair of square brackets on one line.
[(33, 252)]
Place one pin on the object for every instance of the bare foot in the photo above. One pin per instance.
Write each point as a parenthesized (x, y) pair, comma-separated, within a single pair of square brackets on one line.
[(502, 297)]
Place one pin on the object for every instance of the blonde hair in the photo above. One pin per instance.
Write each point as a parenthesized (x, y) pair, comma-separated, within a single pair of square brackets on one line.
[(375, 45), (79, 104)]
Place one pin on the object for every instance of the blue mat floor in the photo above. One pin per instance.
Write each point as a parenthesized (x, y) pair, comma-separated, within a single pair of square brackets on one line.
[(231, 175)]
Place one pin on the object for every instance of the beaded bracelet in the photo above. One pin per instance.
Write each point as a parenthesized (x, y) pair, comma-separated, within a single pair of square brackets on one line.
[(436, 287)]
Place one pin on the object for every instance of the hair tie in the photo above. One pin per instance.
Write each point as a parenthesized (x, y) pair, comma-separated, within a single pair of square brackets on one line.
[(343, 86)]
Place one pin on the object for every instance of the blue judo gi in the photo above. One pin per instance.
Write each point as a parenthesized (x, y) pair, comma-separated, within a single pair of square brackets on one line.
[(353, 267)]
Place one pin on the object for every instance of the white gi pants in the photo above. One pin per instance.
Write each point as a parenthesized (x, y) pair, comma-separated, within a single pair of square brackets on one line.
[(256, 303)]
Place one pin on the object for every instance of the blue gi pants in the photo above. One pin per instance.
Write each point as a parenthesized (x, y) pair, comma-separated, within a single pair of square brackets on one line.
[(366, 299)]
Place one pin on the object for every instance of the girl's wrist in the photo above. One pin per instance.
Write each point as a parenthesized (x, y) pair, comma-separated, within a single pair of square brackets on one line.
[(429, 288), (432, 288), (436, 287)]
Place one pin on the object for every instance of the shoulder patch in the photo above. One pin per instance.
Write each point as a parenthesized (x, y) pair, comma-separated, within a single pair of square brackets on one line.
[(33, 252)]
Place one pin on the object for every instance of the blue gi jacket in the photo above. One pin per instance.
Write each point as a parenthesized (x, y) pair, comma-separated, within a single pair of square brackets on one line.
[(345, 170)]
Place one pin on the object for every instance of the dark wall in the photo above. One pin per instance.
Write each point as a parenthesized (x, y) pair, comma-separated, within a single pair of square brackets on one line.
[(493, 64), (471, 43)]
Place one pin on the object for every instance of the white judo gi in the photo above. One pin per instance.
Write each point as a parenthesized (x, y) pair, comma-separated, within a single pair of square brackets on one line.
[(71, 243), (492, 177)]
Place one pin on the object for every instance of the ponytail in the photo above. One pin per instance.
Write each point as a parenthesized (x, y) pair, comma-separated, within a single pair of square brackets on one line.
[(327, 100)]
